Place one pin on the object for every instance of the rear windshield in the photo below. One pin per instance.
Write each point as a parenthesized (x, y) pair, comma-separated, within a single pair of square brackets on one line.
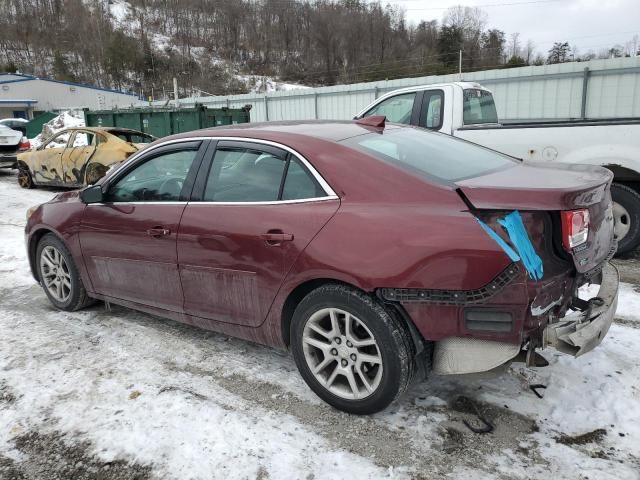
[(430, 154), (132, 137), (478, 107)]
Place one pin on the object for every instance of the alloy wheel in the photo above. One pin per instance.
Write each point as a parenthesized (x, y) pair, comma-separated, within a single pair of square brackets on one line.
[(342, 354), (55, 273)]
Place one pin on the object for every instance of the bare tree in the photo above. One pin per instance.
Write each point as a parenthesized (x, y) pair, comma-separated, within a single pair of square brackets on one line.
[(514, 44), (529, 51)]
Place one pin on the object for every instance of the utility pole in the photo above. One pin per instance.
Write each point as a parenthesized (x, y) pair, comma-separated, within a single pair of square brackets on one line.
[(175, 91), (460, 66)]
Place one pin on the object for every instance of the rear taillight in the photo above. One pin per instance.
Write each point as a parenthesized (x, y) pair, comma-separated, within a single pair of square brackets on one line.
[(24, 144), (575, 228)]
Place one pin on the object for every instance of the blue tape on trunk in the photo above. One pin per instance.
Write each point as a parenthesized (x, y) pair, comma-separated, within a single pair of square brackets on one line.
[(519, 238)]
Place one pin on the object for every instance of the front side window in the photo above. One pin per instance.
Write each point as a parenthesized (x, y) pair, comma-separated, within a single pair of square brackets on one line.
[(254, 175), (159, 179), (478, 107), (397, 109), (429, 154), (58, 141)]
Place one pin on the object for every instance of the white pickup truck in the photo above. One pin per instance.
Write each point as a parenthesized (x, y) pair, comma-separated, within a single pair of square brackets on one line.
[(467, 110)]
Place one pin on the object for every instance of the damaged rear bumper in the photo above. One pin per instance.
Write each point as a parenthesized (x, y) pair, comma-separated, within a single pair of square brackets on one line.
[(578, 335), (8, 160)]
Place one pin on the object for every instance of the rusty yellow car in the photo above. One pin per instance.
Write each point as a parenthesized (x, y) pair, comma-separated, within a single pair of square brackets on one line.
[(75, 157)]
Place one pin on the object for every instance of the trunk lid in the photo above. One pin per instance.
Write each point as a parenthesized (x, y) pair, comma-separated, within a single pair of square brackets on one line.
[(538, 187), (552, 188), (9, 139)]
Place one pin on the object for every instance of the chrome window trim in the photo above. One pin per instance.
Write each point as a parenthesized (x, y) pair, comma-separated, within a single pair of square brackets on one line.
[(138, 203), (323, 183), (270, 202), (192, 203)]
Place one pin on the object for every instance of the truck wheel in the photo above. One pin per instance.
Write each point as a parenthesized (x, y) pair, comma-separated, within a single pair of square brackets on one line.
[(24, 178), (626, 215), (350, 350)]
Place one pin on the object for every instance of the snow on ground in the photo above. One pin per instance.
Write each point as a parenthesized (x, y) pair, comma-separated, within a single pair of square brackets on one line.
[(127, 395), (67, 119)]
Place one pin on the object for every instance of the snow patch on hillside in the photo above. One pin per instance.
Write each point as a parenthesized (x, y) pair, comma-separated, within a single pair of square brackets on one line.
[(119, 10), (263, 84)]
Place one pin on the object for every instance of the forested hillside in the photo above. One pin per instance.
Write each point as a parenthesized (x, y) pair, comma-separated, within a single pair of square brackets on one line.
[(212, 45)]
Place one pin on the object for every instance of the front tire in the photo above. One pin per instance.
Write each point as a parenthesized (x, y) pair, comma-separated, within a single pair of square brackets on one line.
[(59, 275), (626, 213), (352, 352)]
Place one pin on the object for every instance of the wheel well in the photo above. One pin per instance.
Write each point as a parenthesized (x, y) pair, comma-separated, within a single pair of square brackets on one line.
[(295, 297), (33, 246), (625, 176), (302, 290)]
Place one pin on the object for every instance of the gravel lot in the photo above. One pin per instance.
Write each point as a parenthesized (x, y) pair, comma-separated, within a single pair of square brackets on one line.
[(124, 395)]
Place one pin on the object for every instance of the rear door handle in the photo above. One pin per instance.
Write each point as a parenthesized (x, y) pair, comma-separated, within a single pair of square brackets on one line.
[(276, 237), (158, 232)]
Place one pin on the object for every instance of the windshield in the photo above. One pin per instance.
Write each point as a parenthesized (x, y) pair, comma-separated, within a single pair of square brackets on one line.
[(430, 154), (478, 107)]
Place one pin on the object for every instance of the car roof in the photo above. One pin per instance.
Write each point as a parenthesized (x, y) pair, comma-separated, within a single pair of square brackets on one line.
[(105, 130), (19, 120), (328, 130)]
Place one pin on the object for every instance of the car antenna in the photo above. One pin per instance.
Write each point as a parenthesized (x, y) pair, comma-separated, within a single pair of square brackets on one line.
[(373, 121)]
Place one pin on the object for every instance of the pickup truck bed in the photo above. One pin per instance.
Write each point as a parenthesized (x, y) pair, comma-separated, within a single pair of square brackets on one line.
[(467, 111)]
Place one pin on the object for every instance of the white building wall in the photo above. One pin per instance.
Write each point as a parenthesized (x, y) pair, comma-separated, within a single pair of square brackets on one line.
[(58, 96), (526, 93)]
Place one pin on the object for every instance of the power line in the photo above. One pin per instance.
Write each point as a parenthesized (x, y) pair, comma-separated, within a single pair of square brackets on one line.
[(483, 5)]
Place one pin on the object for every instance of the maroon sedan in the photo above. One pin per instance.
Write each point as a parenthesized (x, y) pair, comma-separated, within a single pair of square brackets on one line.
[(375, 252)]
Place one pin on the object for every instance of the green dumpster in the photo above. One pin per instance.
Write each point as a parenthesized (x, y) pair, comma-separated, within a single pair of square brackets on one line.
[(161, 122)]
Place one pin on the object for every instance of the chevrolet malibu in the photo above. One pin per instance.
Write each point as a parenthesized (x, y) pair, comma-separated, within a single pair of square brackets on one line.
[(376, 252)]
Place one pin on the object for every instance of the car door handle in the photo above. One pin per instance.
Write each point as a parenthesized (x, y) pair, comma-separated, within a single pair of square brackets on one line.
[(276, 237), (158, 232)]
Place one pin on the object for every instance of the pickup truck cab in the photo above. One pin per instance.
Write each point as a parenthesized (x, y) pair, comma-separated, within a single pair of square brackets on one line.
[(467, 110)]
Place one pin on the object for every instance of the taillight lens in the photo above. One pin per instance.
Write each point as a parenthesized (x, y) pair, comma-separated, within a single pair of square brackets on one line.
[(575, 228), (24, 144)]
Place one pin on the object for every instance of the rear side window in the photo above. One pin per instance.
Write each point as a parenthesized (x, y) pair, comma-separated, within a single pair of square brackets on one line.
[(254, 175), (299, 183), (243, 175), (83, 139), (397, 109), (478, 107), (432, 109), (429, 154)]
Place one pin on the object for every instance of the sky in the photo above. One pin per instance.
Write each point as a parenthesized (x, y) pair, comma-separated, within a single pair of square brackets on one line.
[(586, 24)]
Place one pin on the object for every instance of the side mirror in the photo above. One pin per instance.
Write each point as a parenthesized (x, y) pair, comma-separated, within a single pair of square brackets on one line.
[(92, 194)]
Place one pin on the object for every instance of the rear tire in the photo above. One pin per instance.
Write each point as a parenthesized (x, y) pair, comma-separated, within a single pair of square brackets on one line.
[(59, 275), (626, 212), (362, 356), (25, 180)]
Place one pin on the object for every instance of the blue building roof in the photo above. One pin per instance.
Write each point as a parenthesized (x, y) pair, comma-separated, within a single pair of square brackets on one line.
[(27, 78), (26, 101)]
